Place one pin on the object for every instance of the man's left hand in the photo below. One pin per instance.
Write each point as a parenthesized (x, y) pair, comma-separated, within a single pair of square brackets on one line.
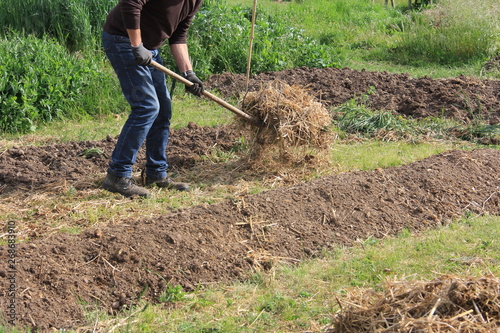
[(197, 87)]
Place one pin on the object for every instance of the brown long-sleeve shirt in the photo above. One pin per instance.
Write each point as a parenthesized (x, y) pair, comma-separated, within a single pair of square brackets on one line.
[(158, 20)]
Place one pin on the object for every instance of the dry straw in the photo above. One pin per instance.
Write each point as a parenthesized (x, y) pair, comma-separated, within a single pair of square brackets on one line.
[(446, 304), (292, 119)]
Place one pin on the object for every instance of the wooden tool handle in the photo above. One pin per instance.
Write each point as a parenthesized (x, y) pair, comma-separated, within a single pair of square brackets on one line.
[(214, 98)]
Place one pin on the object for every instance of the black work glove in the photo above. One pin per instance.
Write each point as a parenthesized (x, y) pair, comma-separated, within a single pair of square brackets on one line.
[(197, 87), (142, 55)]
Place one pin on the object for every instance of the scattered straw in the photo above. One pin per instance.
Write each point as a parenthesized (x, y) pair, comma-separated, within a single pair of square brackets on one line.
[(292, 118), (263, 259), (446, 304)]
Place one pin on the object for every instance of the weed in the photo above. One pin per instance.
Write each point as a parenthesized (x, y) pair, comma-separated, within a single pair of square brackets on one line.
[(475, 130), (92, 152), (359, 119), (221, 42), (172, 294)]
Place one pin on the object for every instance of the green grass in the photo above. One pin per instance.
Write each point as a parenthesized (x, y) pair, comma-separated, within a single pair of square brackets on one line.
[(186, 108), (379, 154), (456, 32), (203, 112), (446, 40)]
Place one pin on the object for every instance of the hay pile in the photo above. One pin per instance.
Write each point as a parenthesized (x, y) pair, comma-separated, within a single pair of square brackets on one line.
[(291, 116), (447, 304)]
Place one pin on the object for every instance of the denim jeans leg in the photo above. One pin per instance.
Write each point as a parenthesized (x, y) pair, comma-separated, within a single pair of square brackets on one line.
[(157, 138), (138, 87)]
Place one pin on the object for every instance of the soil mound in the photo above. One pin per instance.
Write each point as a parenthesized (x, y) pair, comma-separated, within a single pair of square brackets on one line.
[(111, 267), (74, 163), (460, 98)]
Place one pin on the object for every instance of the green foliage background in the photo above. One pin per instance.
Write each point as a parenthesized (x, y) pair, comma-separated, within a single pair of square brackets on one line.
[(40, 80), (53, 66), (219, 42), (75, 24), (455, 33)]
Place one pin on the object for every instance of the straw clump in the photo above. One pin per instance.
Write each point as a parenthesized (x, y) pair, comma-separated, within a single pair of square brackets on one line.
[(447, 304), (291, 116)]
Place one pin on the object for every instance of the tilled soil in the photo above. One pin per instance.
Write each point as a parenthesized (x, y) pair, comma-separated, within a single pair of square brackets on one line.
[(110, 267), (459, 98), (31, 168)]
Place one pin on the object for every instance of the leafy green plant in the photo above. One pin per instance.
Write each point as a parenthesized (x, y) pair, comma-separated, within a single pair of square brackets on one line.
[(172, 294), (359, 119), (91, 152), (41, 81), (219, 41)]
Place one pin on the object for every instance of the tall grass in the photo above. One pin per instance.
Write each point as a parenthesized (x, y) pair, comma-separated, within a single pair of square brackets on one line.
[(74, 23), (454, 32)]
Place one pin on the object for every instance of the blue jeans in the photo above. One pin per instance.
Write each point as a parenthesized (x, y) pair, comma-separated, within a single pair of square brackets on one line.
[(151, 110)]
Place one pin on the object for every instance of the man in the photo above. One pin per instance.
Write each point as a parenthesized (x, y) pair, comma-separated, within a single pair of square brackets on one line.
[(132, 34)]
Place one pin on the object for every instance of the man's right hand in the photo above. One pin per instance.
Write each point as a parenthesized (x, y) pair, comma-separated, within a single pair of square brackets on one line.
[(197, 87), (142, 55)]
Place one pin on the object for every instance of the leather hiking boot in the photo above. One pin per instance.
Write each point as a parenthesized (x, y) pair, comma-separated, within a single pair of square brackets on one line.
[(124, 186), (167, 183)]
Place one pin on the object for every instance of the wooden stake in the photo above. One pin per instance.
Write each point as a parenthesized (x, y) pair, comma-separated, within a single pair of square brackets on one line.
[(250, 47)]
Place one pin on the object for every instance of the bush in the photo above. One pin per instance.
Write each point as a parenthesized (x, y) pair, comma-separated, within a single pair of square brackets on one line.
[(40, 81), (219, 41)]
